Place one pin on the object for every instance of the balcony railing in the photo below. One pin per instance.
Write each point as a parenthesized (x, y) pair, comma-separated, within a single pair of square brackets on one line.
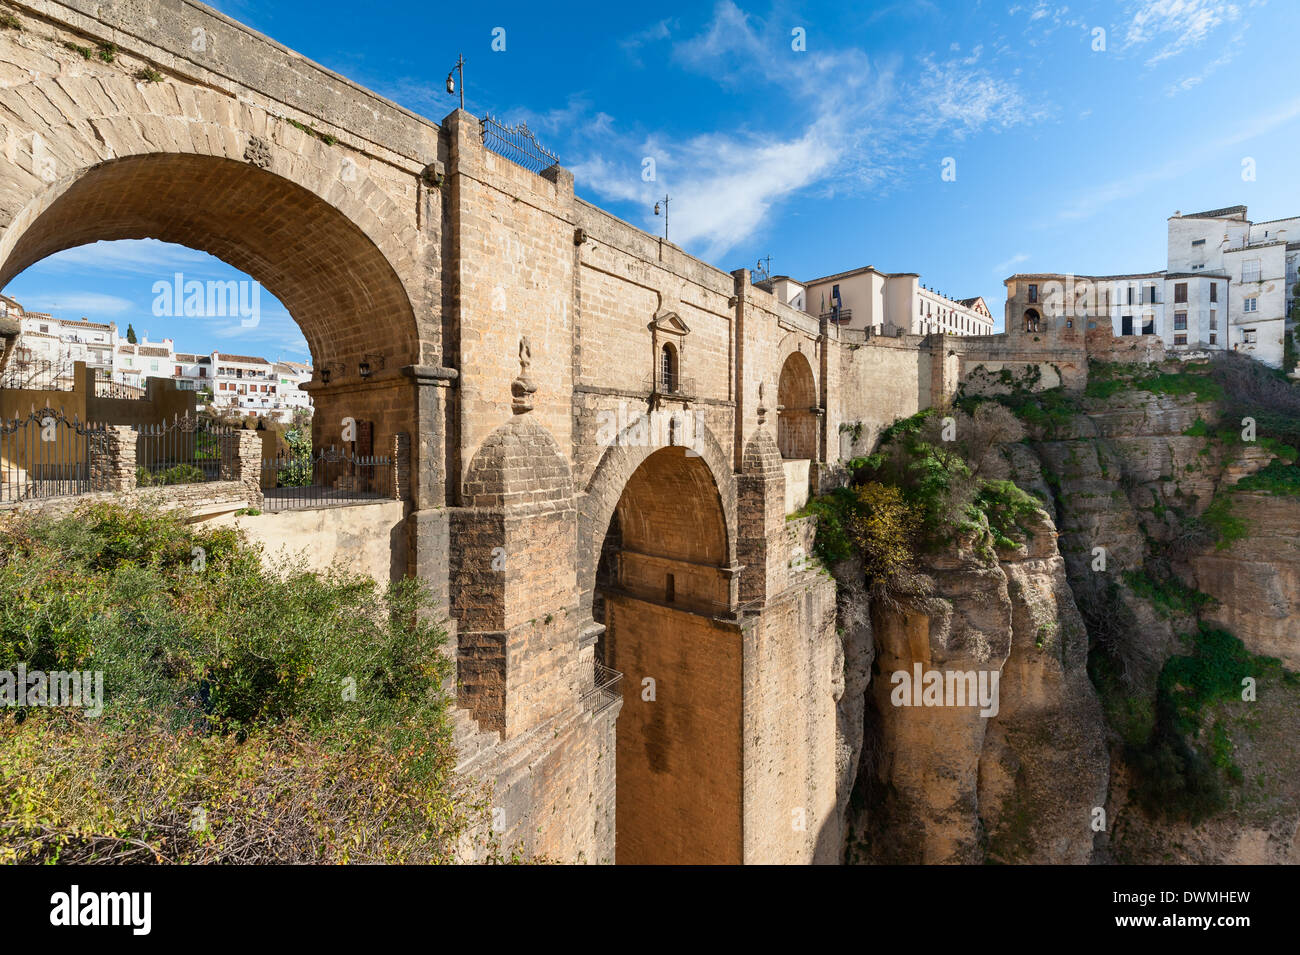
[(606, 689), (676, 385), (841, 316)]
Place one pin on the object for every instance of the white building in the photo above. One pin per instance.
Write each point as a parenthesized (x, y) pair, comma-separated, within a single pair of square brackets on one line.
[(135, 364), (1258, 259), (886, 303), (1228, 285), (47, 348)]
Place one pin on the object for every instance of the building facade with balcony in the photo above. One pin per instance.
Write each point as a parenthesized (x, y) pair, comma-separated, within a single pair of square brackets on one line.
[(47, 348), (890, 304), (1228, 286)]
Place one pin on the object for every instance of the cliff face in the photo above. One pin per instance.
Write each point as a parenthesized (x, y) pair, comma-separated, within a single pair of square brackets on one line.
[(946, 784), (1256, 580), (1060, 774)]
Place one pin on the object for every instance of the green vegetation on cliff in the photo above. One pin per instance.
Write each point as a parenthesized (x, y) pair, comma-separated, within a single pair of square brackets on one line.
[(937, 476)]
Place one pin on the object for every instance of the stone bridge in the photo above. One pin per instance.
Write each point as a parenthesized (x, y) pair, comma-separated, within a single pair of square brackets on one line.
[(606, 431)]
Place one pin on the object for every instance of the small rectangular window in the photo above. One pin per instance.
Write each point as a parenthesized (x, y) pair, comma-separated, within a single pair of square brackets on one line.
[(1033, 293), (1214, 339), (1250, 270), (1249, 335), (1214, 291), (670, 589), (1180, 321), (1180, 292), (1180, 339), (1250, 305), (1196, 242)]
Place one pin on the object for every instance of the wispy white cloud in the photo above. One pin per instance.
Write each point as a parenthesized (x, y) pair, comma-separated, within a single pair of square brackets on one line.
[(71, 303), (136, 256), (1002, 268), (1167, 28), (1134, 184), (859, 124)]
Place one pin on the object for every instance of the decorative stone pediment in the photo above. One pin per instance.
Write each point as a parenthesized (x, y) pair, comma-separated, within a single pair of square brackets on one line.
[(669, 323)]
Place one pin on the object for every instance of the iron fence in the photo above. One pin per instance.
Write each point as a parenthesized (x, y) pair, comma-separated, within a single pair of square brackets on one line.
[(38, 374), (325, 478), (186, 450), (47, 454), (106, 387), (518, 144)]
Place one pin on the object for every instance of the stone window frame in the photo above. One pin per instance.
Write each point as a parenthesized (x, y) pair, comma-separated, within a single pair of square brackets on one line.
[(667, 328)]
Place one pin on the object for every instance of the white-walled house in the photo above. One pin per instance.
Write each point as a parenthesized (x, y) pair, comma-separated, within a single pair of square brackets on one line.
[(1259, 262), (1228, 285), (892, 303)]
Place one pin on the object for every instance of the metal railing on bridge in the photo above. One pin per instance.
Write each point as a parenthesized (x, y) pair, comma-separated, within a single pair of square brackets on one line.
[(325, 478), (518, 144), (605, 689)]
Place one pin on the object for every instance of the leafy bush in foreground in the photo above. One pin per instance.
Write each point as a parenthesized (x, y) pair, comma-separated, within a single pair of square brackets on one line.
[(300, 715)]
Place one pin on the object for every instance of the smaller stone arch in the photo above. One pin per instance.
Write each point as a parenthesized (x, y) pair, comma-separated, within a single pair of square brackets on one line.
[(1033, 320), (797, 409)]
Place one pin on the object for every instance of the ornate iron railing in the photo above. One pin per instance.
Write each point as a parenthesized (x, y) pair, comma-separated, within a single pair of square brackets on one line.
[(47, 454), (518, 144), (326, 478), (670, 385), (187, 450)]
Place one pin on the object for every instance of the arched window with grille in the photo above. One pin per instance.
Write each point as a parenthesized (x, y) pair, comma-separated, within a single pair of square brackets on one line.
[(668, 369)]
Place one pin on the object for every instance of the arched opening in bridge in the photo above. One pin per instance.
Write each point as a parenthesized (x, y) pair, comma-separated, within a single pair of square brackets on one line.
[(662, 590), (796, 424), (300, 250)]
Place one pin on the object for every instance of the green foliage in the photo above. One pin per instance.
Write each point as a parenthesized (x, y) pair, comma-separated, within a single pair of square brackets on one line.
[(297, 472), (1105, 379), (148, 75), (1177, 777), (1226, 526), (1278, 477), (86, 53), (10, 22), (1010, 512), (1213, 671), (176, 474), (833, 511), (1199, 429), (1169, 595), (882, 527), (130, 329), (108, 52), (303, 712)]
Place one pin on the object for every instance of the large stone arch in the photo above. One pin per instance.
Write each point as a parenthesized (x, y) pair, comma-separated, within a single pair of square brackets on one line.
[(95, 155), (612, 473)]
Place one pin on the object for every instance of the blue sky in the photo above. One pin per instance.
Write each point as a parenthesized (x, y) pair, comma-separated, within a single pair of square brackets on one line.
[(1071, 146)]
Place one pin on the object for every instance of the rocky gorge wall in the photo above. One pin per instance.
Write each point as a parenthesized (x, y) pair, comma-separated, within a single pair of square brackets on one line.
[(1075, 764)]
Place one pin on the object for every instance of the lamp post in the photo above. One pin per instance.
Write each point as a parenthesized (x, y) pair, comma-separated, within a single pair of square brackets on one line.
[(458, 68), (664, 203)]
